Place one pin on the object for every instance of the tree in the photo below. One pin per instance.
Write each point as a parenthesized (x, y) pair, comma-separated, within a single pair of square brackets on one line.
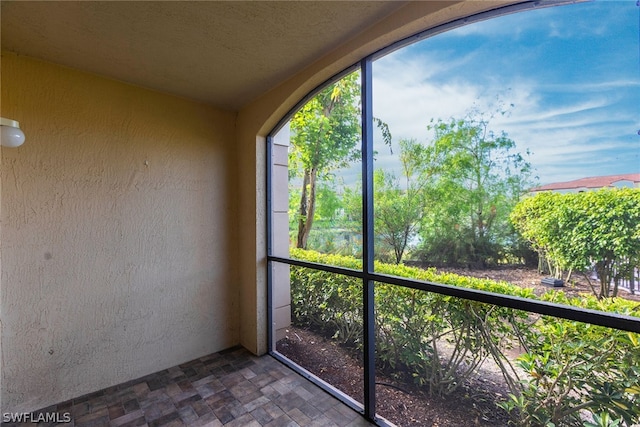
[(581, 230), (398, 206), (325, 133), (474, 179)]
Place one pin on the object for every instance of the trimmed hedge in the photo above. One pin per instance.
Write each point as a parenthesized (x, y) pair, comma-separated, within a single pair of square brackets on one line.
[(568, 369)]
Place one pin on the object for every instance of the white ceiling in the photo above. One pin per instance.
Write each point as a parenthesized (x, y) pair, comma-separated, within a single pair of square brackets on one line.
[(222, 53)]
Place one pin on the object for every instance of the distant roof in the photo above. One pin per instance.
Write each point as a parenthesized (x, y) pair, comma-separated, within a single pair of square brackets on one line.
[(590, 182)]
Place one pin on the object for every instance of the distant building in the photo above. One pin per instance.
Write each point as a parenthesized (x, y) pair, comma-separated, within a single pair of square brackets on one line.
[(629, 180)]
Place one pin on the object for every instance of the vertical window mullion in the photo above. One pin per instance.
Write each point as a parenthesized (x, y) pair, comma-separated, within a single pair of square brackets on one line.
[(270, 329), (368, 239)]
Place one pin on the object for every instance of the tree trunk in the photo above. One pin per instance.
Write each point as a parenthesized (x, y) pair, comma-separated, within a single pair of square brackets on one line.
[(307, 207), (603, 270), (398, 253), (302, 211)]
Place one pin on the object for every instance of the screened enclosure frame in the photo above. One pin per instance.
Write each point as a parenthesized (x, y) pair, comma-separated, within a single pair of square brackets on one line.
[(367, 275)]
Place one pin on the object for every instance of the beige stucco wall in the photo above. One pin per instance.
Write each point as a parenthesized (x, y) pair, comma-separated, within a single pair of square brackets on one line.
[(117, 235)]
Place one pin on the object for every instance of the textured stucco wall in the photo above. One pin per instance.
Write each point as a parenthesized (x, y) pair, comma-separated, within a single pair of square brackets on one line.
[(117, 235)]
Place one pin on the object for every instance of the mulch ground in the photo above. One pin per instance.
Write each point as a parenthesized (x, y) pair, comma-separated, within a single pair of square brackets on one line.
[(402, 404)]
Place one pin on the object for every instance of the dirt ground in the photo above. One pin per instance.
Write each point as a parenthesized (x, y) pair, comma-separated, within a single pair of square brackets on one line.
[(407, 405), (403, 405)]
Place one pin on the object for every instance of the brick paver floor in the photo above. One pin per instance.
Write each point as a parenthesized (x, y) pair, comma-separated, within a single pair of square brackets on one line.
[(231, 388)]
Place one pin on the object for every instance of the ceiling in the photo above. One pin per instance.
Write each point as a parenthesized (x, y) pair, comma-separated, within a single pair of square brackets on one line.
[(224, 53)]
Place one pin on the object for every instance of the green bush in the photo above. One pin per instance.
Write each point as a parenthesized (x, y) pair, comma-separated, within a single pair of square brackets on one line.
[(571, 373), (437, 340), (577, 370), (578, 231)]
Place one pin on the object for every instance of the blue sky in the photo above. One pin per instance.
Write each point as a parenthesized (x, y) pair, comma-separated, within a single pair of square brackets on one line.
[(571, 72)]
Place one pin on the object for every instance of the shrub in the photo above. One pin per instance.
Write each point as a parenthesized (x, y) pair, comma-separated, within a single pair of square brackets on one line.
[(599, 229), (437, 340), (577, 370), (325, 301), (570, 371)]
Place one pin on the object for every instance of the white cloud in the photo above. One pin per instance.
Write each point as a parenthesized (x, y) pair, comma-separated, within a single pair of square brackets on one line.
[(575, 138), (406, 99), (599, 86)]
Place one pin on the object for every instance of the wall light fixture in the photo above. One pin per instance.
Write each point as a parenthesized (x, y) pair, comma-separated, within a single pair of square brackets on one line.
[(11, 135)]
